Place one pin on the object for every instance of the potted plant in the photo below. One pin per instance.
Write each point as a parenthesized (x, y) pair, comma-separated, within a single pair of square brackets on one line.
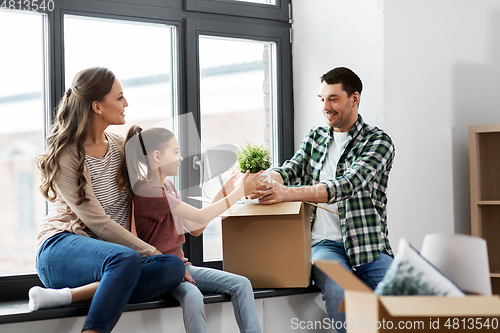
[(253, 158)]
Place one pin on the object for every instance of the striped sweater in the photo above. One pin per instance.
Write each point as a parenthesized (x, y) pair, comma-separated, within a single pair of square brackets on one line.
[(103, 173), (65, 215)]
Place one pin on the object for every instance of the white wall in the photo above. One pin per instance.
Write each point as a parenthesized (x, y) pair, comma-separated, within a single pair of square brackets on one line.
[(441, 77), (332, 33), (429, 71)]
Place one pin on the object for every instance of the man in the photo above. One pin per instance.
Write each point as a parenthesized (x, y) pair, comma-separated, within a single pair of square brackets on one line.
[(345, 166)]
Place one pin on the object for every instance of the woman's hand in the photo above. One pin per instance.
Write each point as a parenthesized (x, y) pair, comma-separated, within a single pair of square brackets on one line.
[(188, 278)]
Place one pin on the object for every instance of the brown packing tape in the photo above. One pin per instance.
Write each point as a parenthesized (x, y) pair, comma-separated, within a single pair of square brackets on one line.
[(322, 207)]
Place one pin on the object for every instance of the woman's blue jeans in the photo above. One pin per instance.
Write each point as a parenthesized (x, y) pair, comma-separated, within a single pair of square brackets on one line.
[(214, 281), (371, 274), (71, 260)]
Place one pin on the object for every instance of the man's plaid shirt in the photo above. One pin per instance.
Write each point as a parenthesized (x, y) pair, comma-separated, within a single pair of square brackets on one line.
[(359, 189)]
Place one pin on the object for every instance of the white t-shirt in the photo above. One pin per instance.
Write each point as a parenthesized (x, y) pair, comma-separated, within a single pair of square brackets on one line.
[(327, 224)]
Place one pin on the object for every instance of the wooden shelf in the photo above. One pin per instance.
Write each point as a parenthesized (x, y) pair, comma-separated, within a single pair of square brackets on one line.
[(488, 202), (484, 128), (484, 158)]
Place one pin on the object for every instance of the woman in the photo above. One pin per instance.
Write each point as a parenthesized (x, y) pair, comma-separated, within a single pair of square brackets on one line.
[(82, 241)]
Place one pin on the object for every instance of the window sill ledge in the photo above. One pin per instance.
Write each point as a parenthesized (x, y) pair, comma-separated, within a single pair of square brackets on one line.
[(17, 311)]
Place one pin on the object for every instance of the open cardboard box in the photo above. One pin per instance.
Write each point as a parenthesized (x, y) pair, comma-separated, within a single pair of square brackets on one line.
[(368, 312), (269, 244)]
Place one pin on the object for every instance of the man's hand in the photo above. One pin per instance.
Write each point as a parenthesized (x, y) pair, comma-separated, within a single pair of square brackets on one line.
[(274, 193), (261, 190)]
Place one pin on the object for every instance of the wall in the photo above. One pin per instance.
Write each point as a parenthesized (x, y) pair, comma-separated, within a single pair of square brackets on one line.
[(440, 78), (428, 71), (332, 33)]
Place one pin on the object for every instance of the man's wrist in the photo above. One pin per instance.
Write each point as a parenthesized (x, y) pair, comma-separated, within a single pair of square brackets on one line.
[(277, 177), (312, 193)]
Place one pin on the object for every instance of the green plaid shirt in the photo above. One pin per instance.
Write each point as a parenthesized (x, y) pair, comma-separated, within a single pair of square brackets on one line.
[(359, 187)]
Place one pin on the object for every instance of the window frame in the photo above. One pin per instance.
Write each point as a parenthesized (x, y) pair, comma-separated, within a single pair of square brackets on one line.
[(209, 20), (280, 36), (280, 11)]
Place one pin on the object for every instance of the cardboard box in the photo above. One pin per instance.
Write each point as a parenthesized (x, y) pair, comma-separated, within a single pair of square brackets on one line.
[(269, 244), (368, 312)]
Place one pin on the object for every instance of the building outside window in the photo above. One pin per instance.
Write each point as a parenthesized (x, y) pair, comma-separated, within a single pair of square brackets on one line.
[(22, 110)]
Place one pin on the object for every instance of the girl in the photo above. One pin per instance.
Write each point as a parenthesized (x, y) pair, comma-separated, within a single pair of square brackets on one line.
[(161, 217), (82, 241)]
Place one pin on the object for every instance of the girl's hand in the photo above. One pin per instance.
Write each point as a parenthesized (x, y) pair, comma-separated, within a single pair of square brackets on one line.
[(239, 180), (188, 278), (251, 182), (229, 184)]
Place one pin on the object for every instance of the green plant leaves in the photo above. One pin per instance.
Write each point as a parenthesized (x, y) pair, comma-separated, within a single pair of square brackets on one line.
[(253, 158)]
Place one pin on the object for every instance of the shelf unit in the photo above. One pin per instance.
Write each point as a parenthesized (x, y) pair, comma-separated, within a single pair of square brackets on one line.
[(484, 154)]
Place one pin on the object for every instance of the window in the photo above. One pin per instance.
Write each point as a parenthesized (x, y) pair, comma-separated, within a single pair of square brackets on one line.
[(22, 110), (148, 84), (173, 58), (237, 90), (241, 79)]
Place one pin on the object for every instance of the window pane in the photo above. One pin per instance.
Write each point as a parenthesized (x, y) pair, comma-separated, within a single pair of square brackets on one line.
[(270, 2), (139, 54), (21, 137), (237, 97)]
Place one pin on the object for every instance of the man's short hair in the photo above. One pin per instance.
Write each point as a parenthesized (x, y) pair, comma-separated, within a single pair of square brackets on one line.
[(349, 80)]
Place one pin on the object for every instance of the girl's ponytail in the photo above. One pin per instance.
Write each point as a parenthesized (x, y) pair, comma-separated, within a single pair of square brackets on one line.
[(137, 145), (131, 170)]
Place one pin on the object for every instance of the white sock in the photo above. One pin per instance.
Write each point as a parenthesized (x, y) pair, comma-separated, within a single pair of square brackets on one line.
[(41, 298)]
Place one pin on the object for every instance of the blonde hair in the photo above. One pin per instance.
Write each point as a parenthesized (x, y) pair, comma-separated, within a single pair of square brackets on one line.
[(74, 116)]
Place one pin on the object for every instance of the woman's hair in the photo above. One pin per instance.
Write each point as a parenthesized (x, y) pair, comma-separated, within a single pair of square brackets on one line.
[(139, 144), (74, 116)]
